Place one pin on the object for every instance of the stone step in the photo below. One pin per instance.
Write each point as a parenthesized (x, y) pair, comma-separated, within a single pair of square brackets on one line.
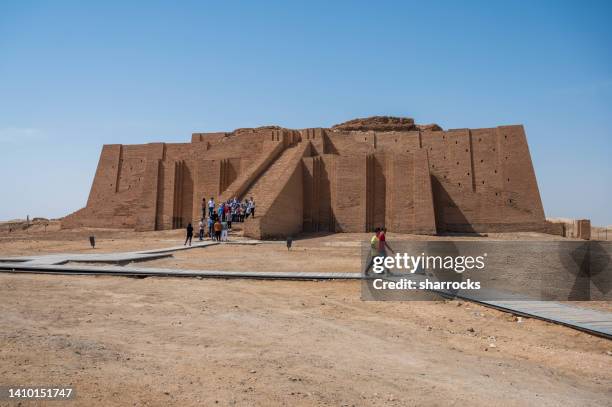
[(264, 188)]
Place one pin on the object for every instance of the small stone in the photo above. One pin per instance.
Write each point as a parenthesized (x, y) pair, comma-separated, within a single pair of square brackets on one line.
[(470, 330)]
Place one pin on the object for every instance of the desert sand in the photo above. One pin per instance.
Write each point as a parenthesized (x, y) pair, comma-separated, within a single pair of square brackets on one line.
[(172, 341)]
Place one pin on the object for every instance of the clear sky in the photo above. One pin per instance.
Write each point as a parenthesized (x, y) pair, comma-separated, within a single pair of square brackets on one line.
[(74, 76)]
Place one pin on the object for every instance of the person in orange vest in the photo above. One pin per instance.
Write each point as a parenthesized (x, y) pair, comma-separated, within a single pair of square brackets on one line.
[(218, 228)]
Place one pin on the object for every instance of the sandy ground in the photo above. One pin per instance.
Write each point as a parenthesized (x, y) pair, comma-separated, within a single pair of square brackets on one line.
[(169, 341), (122, 341)]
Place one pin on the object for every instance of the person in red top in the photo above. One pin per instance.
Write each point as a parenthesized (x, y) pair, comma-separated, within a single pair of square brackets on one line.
[(383, 246), (382, 243), (228, 214)]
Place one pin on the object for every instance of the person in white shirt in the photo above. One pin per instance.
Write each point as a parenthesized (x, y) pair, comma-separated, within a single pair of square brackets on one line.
[(211, 206)]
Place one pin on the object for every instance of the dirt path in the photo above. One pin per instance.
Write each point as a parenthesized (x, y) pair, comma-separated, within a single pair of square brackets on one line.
[(123, 341)]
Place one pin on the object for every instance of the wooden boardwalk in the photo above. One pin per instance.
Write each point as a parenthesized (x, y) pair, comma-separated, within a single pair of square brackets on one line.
[(161, 272), (116, 257), (585, 319)]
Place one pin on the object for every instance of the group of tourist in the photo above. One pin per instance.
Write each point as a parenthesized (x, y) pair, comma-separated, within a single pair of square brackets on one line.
[(230, 211), (216, 220)]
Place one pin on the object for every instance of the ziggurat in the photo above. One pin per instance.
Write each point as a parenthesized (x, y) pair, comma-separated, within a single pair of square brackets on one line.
[(353, 177)]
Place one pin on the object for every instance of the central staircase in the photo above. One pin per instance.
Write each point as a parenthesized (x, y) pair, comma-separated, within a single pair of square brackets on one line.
[(278, 195)]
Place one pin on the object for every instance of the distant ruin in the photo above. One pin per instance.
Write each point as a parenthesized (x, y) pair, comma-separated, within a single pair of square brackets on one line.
[(353, 177)]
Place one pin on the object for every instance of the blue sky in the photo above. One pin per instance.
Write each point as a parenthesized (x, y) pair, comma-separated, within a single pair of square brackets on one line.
[(74, 76)]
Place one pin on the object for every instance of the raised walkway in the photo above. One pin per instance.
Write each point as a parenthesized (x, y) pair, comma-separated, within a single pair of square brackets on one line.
[(113, 258), (163, 272), (585, 319)]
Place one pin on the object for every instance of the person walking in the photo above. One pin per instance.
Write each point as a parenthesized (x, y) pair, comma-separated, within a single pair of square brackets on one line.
[(383, 245), (374, 250), (189, 234)]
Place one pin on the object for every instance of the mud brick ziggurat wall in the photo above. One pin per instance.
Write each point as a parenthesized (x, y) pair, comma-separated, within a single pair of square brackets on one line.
[(352, 177)]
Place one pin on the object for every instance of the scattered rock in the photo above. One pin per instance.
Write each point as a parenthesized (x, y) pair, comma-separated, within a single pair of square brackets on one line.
[(385, 123), (470, 329), (428, 127)]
